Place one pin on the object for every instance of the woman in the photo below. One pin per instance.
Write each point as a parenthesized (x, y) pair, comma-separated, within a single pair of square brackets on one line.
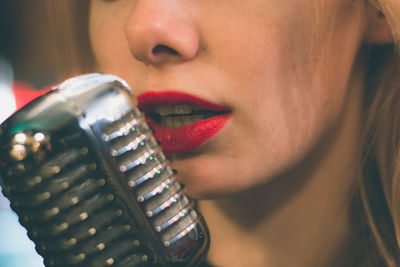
[(282, 116)]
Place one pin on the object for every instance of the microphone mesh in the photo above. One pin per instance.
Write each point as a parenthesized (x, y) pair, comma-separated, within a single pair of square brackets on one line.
[(91, 184)]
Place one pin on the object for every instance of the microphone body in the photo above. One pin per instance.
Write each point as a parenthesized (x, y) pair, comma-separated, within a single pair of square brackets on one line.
[(90, 183)]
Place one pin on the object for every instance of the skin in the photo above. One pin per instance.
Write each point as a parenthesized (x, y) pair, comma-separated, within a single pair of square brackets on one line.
[(292, 76)]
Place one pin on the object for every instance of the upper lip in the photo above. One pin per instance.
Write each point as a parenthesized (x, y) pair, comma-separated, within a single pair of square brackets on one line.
[(147, 101)]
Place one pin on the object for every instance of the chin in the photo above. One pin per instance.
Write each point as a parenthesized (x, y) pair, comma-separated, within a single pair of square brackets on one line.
[(197, 187), (201, 192), (199, 182), (210, 182)]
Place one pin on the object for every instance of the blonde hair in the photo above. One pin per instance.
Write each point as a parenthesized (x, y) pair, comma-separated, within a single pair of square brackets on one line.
[(381, 137), (381, 155)]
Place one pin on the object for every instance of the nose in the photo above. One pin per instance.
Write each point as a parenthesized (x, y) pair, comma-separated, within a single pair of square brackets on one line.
[(161, 32)]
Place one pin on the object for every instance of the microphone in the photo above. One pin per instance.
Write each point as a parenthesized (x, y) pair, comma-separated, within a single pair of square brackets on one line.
[(90, 183)]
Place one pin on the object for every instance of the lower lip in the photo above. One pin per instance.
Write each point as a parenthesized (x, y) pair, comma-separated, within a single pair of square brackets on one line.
[(187, 138)]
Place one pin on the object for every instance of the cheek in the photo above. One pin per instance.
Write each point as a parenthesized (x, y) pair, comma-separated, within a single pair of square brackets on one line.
[(272, 84), (287, 91), (107, 37)]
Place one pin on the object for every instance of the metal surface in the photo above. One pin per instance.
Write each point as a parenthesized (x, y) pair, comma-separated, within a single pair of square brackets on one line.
[(89, 182)]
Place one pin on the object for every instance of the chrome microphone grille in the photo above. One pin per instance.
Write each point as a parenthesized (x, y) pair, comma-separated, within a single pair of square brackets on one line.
[(91, 185)]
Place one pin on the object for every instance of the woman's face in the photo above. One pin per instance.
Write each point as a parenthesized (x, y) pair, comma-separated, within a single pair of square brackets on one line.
[(256, 84)]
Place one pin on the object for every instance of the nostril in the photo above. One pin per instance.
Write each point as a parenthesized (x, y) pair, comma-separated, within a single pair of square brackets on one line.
[(160, 49)]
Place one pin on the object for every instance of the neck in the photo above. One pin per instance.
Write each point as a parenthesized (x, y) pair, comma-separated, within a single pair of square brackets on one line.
[(300, 218)]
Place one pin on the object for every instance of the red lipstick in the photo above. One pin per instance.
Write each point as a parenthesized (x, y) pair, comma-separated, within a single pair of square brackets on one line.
[(188, 137)]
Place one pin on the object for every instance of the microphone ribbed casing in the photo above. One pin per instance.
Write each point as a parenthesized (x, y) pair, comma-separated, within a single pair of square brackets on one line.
[(90, 184)]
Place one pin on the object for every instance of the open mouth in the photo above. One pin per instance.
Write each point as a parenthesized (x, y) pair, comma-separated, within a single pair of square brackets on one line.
[(180, 115), (182, 122)]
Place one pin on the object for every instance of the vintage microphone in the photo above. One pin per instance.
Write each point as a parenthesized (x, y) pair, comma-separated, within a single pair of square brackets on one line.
[(90, 183)]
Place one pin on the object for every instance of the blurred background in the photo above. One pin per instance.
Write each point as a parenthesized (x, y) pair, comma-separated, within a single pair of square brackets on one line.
[(25, 55), (25, 41)]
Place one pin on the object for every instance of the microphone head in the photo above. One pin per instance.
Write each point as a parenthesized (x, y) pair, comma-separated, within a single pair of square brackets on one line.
[(90, 184)]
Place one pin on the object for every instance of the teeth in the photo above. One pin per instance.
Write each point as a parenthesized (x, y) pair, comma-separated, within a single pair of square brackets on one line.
[(178, 116), (165, 110), (175, 122), (167, 121), (186, 120), (170, 110), (183, 109)]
